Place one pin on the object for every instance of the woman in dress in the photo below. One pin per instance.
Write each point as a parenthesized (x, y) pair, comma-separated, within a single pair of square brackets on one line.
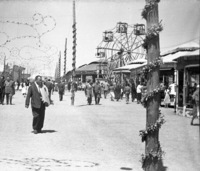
[(127, 91), (24, 89), (112, 94), (133, 91), (167, 98)]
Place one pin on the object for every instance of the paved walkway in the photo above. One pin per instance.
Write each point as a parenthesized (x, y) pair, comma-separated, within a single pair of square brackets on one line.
[(91, 138)]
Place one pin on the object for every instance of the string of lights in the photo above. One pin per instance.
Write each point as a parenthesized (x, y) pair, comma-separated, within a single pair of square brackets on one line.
[(38, 20), (27, 55)]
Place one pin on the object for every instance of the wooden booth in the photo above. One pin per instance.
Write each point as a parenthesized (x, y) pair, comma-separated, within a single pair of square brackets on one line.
[(186, 77)]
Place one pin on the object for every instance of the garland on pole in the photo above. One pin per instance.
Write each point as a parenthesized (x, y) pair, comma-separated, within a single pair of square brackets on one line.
[(148, 8), (152, 127), (151, 66), (154, 30), (152, 33), (150, 95), (152, 156)]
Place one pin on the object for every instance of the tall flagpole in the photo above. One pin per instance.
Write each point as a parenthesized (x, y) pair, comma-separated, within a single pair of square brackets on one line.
[(74, 55)]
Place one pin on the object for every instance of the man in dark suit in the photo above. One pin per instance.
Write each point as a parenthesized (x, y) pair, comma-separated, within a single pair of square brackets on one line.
[(38, 104), (97, 92), (61, 89)]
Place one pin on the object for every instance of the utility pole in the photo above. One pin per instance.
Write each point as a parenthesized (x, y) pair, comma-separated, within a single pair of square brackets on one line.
[(153, 154), (74, 55), (65, 56)]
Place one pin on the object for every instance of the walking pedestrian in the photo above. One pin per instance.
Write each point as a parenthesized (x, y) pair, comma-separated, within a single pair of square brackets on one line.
[(102, 89), (75, 86), (53, 86), (89, 91), (106, 88), (127, 91), (9, 90), (195, 98), (122, 90), (24, 89), (97, 92), (2, 89), (133, 91), (112, 94), (117, 91), (61, 89), (167, 98), (139, 93), (38, 93), (18, 84), (69, 86)]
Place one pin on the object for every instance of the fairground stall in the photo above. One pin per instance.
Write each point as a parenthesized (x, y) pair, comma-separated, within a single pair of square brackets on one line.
[(167, 77), (187, 75), (125, 71), (91, 71)]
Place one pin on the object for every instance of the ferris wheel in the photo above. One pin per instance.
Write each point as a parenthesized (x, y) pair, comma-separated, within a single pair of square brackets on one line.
[(122, 45)]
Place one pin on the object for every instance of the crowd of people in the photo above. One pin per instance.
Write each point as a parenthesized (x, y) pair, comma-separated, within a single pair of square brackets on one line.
[(115, 90), (39, 91), (7, 89)]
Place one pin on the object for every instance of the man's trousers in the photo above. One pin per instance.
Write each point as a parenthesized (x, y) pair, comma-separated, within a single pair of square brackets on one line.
[(38, 117)]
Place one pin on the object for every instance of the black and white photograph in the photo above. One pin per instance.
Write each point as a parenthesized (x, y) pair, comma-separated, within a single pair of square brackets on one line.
[(99, 85)]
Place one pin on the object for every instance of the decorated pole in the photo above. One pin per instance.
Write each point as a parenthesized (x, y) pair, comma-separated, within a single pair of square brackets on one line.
[(74, 56), (59, 65), (65, 56), (56, 72), (153, 153)]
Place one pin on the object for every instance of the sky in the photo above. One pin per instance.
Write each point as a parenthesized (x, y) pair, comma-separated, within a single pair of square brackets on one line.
[(26, 22)]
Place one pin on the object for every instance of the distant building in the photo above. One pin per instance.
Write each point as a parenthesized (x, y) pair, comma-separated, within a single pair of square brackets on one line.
[(68, 76), (25, 76), (91, 71), (7, 71), (17, 73)]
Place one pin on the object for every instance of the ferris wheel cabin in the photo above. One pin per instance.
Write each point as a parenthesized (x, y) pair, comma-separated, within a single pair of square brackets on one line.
[(121, 27), (108, 36), (139, 29)]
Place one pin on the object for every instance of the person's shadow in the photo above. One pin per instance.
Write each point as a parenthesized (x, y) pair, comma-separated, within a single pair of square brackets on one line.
[(196, 124), (48, 131)]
